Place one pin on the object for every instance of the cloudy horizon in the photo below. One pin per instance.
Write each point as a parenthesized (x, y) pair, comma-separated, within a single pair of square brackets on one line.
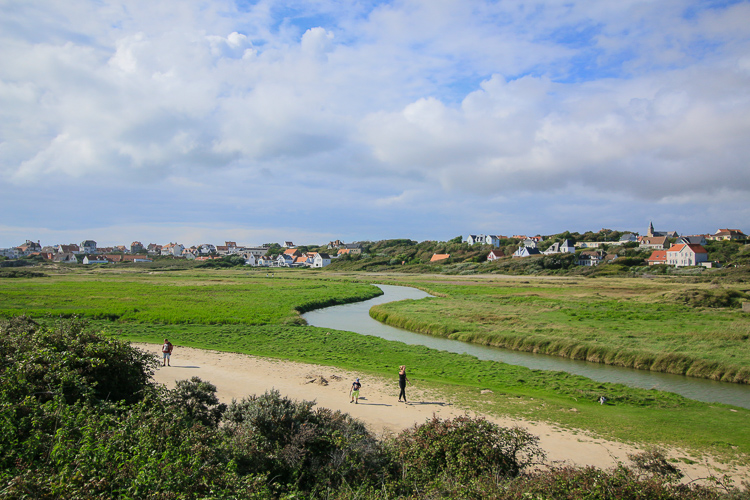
[(315, 120)]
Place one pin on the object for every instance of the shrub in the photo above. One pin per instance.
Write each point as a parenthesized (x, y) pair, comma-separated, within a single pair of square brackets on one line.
[(464, 449), (198, 399), (654, 463), (300, 446), (71, 361)]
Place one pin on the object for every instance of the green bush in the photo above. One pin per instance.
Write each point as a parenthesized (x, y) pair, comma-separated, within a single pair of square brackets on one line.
[(198, 399), (463, 449), (71, 361), (300, 446)]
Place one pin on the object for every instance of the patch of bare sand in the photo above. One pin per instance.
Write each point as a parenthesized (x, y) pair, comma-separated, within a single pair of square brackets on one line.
[(237, 375)]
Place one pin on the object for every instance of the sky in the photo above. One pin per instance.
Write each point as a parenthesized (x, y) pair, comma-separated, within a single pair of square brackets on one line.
[(204, 121)]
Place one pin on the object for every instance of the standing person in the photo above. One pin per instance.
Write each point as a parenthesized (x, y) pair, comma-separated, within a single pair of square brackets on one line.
[(166, 350), (402, 381), (354, 392)]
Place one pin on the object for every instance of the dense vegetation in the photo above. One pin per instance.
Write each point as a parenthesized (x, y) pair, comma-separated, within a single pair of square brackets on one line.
[(67, 432)]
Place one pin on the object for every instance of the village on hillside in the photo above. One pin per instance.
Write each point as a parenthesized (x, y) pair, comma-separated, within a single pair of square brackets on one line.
[(667, 247)]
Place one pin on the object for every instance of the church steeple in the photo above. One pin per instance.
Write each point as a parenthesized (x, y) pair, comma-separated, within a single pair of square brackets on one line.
[(650, 232)]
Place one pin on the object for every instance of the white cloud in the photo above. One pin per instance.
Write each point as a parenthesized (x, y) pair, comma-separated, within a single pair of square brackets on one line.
[(397, 104)]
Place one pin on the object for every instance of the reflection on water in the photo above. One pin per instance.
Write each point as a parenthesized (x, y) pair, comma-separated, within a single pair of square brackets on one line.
[(356, 318)]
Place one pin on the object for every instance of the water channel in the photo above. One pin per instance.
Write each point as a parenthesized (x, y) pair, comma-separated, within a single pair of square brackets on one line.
[(356, 318)]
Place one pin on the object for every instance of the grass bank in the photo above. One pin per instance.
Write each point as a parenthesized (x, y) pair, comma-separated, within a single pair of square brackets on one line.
[(634, 323)]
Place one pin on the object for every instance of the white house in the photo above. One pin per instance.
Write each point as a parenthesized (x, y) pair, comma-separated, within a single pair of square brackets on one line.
[(494, 255), (321, 260), (264, 261), (681, 255), (173, 249), (65, 258), (477, 239), (590, 258), (482, 239), (628, 238), (11, 253), (256, 251), (284, 260), (250, 260), (557, 247), (206, 249), (591, 244), (524, 251), (88, 246), (95, 259)]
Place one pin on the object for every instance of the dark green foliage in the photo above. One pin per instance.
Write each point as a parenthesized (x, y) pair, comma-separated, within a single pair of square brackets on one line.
[(198, 399), (224, 262), (17, 262), (591, 483), (728, 253), (70, 361), (20, 273), (714, 298), (145, 450), (299, 445), (463, 449)]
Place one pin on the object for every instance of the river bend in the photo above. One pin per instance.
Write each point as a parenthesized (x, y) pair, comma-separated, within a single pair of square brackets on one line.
[(356, 318)]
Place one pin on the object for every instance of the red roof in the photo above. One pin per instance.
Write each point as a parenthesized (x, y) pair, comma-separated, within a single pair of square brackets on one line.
[(658, 256), (694, 247)]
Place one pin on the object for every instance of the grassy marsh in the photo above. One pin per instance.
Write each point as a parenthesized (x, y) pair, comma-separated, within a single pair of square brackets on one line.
[(635, 323), (243, 311)]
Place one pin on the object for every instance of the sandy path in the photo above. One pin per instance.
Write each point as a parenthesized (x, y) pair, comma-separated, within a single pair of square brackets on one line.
[(236, 376)]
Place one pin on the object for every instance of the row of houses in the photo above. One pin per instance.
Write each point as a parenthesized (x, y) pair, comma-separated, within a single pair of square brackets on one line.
[(652, 239), (680, 254), (254, 256)]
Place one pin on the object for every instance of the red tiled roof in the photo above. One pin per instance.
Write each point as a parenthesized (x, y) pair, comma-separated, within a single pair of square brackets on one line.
[(658, 256), (694, 247)]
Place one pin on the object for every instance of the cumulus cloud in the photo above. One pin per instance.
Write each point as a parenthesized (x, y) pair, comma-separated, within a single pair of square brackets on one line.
[(404, 105)]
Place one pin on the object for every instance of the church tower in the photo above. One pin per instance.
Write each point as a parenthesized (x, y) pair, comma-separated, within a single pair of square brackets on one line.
[(650, 232)]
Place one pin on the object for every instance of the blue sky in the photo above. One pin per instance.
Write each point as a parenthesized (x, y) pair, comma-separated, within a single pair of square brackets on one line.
[(266, 121)]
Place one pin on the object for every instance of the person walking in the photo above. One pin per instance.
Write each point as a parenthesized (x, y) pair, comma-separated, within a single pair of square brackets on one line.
[(402, 381), (354, 392), (166, 350)]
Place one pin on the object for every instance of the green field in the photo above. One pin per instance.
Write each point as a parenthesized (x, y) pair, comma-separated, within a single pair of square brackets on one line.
[(244, 311), (211, 297)]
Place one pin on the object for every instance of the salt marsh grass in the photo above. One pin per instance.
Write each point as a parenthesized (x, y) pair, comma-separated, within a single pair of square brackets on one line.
[(632, 323)]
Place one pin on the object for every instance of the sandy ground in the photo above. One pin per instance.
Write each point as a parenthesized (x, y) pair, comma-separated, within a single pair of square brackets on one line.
[(236, 376)]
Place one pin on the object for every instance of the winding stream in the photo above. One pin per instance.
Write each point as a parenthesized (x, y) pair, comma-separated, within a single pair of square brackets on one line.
[(356, 318)]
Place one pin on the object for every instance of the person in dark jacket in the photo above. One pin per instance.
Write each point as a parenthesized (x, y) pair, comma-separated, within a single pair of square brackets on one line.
[(402, 381)]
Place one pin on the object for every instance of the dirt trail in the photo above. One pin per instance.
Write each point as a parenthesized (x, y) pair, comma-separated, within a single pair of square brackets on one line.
[(237, 375)]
